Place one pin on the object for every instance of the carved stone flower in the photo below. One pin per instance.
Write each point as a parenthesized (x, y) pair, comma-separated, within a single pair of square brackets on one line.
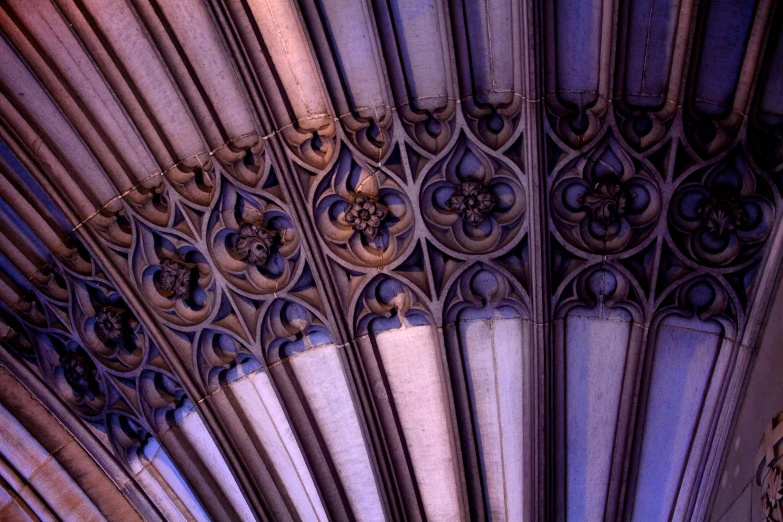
[(362, 214), (366, 215), (771, 499), (603, 203), (110, 325), (473, 202), (79, 372), (252, 240), (607, 202), (253, 244), (175, 278), (71, 373), (723, 215), (107, 328)]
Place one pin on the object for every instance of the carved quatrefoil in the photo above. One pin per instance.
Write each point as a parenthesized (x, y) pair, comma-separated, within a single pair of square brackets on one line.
[(603, 204), (471, 203), (364, 216), (721, 216), (252, 240)]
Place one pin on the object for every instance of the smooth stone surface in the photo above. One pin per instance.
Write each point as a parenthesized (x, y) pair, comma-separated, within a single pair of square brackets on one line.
[(319, 372), (595, 352), (269, 424), (495, 369), (414, 367)]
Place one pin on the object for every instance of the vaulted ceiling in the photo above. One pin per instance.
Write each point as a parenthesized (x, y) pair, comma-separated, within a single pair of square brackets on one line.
[(382, 259)]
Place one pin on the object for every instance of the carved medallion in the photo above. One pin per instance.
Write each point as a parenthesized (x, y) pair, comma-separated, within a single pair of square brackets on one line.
[(603, 203), (472, 203), (721, 216)]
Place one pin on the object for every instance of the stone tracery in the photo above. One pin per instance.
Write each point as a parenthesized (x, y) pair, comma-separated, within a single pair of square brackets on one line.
[(724, 218), (603, 203), (296, 213)]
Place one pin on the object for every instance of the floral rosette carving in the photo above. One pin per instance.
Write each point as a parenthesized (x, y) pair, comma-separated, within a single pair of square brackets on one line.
[(471, 203), (107, 327), (364, 217), (723, 216), (73, 375), (603, 203), (253, 242), (175, 277)]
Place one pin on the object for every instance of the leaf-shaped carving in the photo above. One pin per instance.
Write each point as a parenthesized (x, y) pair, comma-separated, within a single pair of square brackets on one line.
[(290, 327), (431, 130), (701, 297), (151, 201), (15, 338), (605, 287), (244, 160), (194, 179), (388, 303), (708, 135), (576, 123), (128, 438), (163, 400), (223, 359), (30, 309), (314, 147), (372, 136), (643, 128), (51, 283), (75, 256), (493, 124), (114, 228), (481, 288)]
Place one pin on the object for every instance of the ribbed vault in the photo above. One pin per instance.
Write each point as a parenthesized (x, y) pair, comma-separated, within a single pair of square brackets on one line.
[(382, 259)]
